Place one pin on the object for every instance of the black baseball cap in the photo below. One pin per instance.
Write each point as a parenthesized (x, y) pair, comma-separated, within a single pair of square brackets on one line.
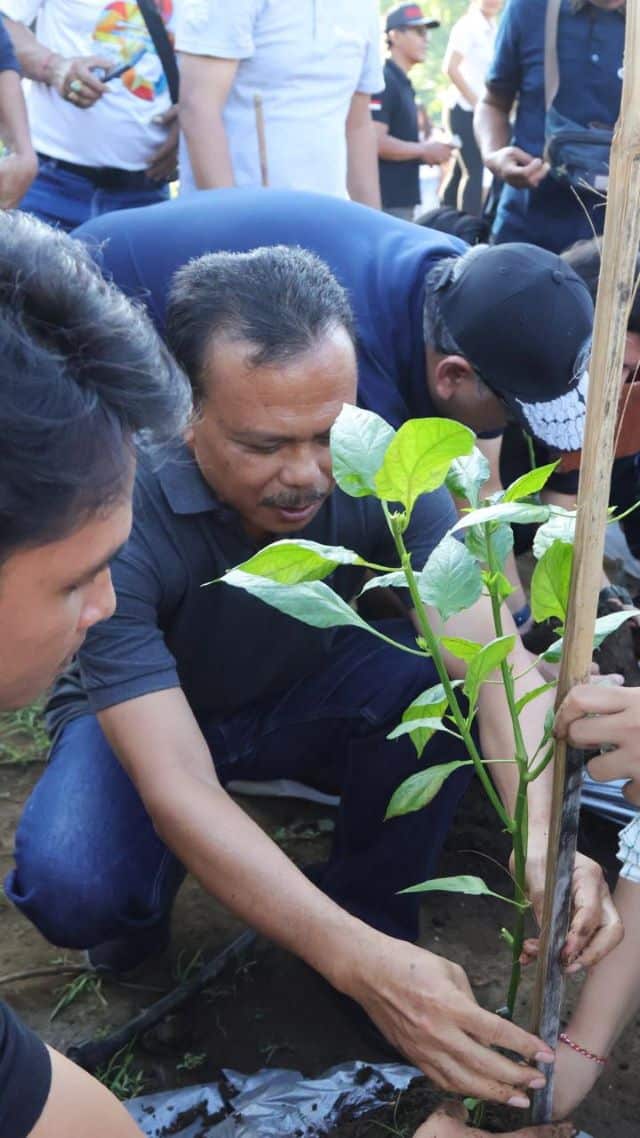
[(409, 16), (521, 316)]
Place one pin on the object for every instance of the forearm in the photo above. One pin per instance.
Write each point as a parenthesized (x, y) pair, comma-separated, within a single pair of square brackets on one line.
[(363, 182), (36, 60), (237, 863), (491, 127), (13, 115), (207, 143), (397, 150)]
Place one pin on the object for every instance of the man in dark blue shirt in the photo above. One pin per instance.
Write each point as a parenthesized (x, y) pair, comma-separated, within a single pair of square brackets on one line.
[(185, 688), (19, 166), (590, 41)]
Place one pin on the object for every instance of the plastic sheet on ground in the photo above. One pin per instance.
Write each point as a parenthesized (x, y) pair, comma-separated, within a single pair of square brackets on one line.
[(272, 1103)]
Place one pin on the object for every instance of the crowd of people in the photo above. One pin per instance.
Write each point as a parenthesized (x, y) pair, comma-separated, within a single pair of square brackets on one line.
[(171, 373)]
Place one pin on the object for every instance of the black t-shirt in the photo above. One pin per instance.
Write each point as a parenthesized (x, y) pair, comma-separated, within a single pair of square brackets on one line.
[(396, 106), (25, 1076)]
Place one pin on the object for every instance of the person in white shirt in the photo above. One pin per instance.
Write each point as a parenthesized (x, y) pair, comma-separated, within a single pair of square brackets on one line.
[(466, 62), (103, 143), (314, 64)]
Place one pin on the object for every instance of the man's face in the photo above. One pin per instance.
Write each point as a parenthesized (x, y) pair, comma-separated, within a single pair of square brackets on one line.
[(413, 42), (262, 436), (490, 8), (50, 595), (458, 393)]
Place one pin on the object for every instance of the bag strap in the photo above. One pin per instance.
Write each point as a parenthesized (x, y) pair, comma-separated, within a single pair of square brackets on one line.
[(551, 69), (167, 56)]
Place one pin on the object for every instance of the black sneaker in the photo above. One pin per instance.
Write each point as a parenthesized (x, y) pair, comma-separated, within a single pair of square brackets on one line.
[(124, 954)]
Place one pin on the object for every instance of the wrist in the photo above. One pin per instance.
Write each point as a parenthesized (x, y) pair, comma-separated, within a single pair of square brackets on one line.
[(52, 69)]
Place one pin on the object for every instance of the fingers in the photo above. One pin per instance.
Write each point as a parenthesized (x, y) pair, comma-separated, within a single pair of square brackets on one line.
[(448, 1121), (595, 926), (167, 117), (588, 699), (79, 85)]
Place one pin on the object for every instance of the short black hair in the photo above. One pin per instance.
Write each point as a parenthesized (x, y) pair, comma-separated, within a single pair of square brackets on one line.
[(280, 300), (585, 258), (82, 371)]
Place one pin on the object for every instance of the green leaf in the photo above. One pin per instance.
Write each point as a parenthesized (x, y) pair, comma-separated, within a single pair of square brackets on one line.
[(526, 513), (560, 527), (466, 476), (423, 716), (531, 695), (603, 627), (501, 537), (464, 883), (488, 659), (359, 440), (418, 458), (529, 483), (420, 789), (313, 602), (460, 648), (551, 581), (288, 562), (498, 585), (395, 580), (451, 580)]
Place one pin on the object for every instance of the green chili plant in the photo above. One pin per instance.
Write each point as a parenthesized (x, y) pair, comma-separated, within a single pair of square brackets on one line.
[(396, 467)]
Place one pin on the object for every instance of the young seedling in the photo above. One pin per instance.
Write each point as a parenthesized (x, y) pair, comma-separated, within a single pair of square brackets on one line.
[(396, 467)]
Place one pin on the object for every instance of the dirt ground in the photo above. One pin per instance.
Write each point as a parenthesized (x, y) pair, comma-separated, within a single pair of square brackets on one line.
[(271, 1010)]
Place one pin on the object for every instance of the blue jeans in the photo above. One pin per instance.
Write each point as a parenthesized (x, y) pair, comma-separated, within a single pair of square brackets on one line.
[(91, 868), (66, 200)]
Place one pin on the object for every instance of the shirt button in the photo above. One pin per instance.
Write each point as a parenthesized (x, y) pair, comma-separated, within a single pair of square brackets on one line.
[(595, 58)]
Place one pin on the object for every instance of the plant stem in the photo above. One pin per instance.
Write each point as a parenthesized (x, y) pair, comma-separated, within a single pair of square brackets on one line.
[(434, 650)]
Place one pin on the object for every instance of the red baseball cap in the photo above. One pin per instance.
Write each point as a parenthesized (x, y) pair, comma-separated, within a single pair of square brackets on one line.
[(409, 16)]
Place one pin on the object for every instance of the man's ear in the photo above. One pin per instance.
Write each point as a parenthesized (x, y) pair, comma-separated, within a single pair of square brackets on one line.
[(450, 373)]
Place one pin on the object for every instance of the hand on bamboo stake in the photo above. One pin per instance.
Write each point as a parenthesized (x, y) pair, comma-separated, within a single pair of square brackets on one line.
[(595, 927), (601, 715), (449, 1121)]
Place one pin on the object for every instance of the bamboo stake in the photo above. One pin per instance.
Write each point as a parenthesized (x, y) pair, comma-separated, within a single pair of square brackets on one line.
[(262, 139), (620, 246)]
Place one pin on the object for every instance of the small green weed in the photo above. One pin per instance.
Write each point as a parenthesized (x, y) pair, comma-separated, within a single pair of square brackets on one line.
[(118, 1075), (23, 738), (86, 984), (191, 1061)]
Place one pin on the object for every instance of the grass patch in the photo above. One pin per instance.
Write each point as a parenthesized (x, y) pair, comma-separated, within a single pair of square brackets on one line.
[(23, 738)]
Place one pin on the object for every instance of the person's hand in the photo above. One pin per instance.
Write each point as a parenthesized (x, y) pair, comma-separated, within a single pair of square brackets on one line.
[(449, 1121), (517, 168), (74, 80), (163, 165), (595, 927), (436, 153), (424, 1006), (600, 715), (17, 172)]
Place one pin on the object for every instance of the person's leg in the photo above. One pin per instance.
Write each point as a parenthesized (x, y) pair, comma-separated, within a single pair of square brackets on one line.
[(109, 201), (89, 866), (470, 194), (330, 730), (59, 197), (451, 184)]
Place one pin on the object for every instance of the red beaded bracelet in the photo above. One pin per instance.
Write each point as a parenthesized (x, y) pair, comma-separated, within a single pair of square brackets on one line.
[(564, 1038)]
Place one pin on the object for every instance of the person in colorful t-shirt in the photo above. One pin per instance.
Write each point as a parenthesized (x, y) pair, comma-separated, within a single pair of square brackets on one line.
[(101, 115)]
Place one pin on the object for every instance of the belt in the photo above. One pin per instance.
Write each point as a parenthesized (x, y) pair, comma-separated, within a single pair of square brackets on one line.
[(105, 177)]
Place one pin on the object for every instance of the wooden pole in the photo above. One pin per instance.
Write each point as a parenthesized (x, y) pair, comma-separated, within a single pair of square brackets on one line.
[(615, 292), (262, 139)]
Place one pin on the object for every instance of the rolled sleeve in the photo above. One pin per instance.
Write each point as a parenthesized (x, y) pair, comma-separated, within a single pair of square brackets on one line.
[(127, 656), (371, 75), (214, 28), (8, 61), (380, 106), (505, 72)]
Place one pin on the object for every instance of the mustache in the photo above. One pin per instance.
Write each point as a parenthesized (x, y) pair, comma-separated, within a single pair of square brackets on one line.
[(294, 501)]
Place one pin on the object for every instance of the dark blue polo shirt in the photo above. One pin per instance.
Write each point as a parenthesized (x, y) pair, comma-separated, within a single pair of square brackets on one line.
[(8, 61), (225, 648), (396, 106), (590, 52), (25, 1076), (381, 261)]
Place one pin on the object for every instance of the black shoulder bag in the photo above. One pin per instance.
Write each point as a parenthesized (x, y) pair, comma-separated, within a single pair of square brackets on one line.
[(167, 56)]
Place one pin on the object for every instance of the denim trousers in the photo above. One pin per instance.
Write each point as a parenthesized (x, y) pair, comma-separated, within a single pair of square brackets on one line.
[(66, 199), (89, 866)]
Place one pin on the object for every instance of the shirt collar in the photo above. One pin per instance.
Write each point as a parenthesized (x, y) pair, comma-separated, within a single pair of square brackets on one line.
[(184, 487)]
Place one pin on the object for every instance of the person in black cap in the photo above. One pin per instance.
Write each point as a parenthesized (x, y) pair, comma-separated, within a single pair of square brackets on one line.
[(400, 150)]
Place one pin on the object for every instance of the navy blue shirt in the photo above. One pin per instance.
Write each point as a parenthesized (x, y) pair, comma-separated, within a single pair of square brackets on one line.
[(396, 106), (590, 52), (8, 61), (381, 261), (25, 1076), (168, 631)]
